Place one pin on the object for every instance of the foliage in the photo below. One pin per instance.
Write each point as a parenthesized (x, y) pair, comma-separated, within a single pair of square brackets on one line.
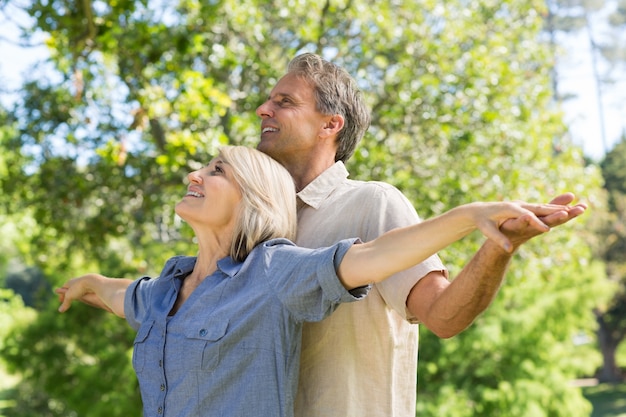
[(612, 249), (614, 173), (93, 364), (144, 91), (13, 315), (522, 347)]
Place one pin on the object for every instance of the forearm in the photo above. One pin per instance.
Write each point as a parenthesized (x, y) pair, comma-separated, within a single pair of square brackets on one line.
[(403, 248), (457, 305), (447, 308), (112, 292), (95, 290)]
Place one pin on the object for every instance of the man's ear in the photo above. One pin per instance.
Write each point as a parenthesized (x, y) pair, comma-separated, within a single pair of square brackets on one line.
[(333, 125)]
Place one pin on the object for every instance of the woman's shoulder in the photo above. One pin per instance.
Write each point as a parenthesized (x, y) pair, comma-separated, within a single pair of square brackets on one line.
[(289, 252), (177, 265), (277, 243)]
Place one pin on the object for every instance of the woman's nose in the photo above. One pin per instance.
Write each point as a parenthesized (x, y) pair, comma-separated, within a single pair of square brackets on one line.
[(194, 176)]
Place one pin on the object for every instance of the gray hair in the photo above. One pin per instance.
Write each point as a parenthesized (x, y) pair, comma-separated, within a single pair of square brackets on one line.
[(336, 92)]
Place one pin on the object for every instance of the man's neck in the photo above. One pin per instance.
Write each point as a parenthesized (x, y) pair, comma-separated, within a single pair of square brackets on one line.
[(304, 174)]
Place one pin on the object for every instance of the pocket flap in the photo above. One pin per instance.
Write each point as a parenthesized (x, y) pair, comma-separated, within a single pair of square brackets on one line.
[(209, 330), (144, 331)]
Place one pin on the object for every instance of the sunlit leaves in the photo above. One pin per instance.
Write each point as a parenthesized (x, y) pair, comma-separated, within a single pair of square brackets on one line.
[(144, 91)]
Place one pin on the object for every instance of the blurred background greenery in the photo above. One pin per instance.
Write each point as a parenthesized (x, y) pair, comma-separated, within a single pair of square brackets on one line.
[(95, 145)]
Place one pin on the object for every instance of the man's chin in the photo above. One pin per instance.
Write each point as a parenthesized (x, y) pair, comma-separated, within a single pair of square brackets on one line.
[(268, 149), (265, 146)]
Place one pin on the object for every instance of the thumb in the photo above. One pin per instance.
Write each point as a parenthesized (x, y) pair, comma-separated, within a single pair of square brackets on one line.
[(66, 302), (65, 305), (492, 232)]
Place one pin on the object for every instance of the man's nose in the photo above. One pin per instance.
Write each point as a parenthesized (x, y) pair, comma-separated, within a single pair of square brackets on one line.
[(264, 110)]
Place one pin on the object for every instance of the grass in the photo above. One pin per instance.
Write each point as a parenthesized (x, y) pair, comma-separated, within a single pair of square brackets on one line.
[(609, 400)]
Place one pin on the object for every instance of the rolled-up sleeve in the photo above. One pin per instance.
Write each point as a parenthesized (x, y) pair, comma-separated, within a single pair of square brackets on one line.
[(306, 281), (136, 302)]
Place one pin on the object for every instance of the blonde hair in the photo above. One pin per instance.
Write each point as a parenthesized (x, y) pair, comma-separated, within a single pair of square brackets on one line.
[(268, 205)]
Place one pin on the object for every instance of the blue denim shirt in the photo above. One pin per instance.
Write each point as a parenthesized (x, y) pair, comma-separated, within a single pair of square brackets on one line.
[(233, 347)]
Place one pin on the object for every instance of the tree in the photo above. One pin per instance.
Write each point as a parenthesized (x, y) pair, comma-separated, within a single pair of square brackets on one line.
[(614, 50), (611, 317), (600, 24), (143, 92)]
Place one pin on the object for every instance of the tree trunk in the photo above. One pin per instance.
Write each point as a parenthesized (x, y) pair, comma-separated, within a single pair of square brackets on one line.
[(609, 372)]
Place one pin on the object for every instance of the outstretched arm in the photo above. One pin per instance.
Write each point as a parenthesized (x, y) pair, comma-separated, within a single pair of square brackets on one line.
[(447, 308), (95, 290), (402, 248)]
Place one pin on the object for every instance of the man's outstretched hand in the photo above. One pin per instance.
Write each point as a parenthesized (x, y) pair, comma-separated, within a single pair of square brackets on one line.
[(520, 230)]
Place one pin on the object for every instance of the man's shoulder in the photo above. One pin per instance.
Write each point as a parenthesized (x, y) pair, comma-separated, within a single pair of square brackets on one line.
[(374, 193), (338, 176), (371, 187)]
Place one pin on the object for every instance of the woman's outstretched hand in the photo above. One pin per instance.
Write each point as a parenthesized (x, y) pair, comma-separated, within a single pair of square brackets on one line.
[(95, 290), (533, 219)]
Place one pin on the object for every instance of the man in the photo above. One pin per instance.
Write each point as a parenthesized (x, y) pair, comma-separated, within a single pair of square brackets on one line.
[(362, 360)]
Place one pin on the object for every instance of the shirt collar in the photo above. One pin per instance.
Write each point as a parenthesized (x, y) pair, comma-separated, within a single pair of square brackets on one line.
[(229, 266), (318, 189), (185, 265)]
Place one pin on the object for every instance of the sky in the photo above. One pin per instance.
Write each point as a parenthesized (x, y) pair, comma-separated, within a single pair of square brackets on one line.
[(588, 130), (596, 118)]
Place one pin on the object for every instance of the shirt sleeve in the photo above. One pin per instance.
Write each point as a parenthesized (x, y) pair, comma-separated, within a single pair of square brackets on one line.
[(137, 301), (307, 283), (390, 209)]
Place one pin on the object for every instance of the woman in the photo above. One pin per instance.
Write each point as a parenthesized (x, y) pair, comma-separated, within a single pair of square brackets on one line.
[(219, 334)]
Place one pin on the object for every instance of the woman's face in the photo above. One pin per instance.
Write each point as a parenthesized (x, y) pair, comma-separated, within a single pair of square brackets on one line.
[(213, 197)]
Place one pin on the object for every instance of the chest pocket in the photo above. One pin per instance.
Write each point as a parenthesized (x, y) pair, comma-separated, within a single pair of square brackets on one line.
[(139, 347), (206, 342)]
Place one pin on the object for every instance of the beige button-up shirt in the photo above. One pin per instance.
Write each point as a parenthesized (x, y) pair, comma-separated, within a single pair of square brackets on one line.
[(362, 360)]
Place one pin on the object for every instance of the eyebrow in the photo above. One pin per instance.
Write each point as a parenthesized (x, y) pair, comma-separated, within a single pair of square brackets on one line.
[(219, 161), (280, 95)]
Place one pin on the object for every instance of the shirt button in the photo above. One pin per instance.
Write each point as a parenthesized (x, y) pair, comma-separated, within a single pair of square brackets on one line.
[(160, 410), (203, 332), (160, 363), (162, 387)]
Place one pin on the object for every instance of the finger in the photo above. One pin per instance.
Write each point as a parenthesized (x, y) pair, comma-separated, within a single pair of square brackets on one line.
[(68, 294), (542, 210), (65, 305), (537, 223), (492, 232), (558, 218), (61, 293), (563, 199)]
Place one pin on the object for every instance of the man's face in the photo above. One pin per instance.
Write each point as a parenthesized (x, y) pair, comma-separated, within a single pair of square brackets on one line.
[(291, 125)]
